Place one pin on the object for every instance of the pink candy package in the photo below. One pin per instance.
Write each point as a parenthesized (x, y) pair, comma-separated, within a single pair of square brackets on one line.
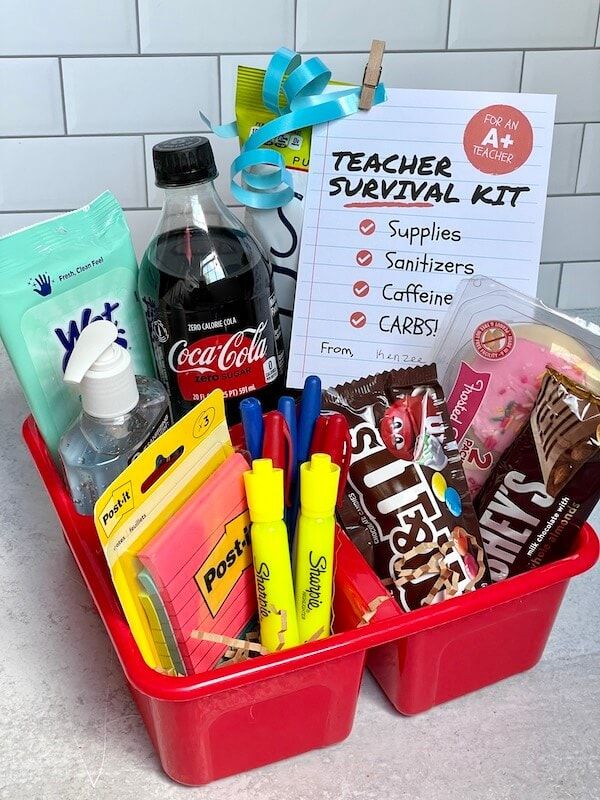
[(491, 358)]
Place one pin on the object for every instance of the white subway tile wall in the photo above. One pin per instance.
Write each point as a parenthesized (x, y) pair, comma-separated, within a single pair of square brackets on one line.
[(549, 287), (514, 23), (589, 168), (580, 280), (65, 172), (30, 97), (88, 86), (574, 75), (349, 24), (215, 26), (139, 95), (62, 27), (566, 150), (445, 70)]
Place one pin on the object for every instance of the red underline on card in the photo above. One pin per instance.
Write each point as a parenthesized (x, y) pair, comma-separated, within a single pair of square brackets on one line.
[(390, 204)]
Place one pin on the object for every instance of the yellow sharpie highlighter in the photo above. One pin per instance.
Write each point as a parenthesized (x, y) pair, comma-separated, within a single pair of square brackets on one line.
[(315, 534), (271, 556)]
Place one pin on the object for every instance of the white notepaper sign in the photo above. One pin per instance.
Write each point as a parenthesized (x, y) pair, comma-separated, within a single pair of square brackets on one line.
[(402, 203)]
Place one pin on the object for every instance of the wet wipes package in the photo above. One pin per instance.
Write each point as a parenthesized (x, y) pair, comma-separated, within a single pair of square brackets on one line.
[(56, 278)]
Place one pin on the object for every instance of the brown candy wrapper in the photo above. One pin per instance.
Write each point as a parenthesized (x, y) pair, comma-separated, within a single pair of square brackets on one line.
[(546, 484), (407, 507)]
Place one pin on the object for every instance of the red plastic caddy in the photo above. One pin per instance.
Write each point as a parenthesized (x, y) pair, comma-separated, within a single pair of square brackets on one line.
[(246, 715), (242, 716)]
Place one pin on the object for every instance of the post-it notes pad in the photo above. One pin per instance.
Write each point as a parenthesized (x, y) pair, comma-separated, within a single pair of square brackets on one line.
[(201, 564), (137, 505)]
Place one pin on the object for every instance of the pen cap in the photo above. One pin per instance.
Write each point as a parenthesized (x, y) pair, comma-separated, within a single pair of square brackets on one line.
[(319, 479), (264, 491)]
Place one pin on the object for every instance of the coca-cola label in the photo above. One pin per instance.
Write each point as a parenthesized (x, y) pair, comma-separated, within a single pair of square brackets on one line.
[(237, 363)]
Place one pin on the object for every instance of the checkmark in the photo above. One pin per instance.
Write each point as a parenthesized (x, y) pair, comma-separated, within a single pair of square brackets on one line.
[(358, 319), (364, 258), (361, 288), (366, 227)]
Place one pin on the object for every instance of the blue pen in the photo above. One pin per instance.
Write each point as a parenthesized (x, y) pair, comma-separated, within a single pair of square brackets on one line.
[(252, 422), (310, 408), (287, 406)]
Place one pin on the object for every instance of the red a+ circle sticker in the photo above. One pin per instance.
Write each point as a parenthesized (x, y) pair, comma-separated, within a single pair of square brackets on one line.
[(498, 139)]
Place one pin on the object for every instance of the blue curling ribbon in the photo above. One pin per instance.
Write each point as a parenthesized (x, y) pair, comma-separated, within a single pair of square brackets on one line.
[(295, 92)]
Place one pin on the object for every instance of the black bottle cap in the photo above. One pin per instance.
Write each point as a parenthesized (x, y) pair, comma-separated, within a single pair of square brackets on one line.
[(183, 161)]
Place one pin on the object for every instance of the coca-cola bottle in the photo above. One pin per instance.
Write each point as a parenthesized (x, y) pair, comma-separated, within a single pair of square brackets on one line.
[(207, 290)]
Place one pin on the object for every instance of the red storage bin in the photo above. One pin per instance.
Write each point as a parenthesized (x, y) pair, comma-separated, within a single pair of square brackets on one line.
[(241, 716), (461, 645)]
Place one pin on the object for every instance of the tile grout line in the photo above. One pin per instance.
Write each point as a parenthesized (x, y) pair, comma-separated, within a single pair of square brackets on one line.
[(559, 284), (115, 134), (575, 194), (522, 71), (295, 40), (70, 208), (100, 134), (145, 171), (400, 51), (137, 26), (585, 124), (221, 120), (62, 98)]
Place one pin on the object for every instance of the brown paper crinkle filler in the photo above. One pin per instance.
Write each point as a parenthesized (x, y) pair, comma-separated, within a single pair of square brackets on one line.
[(171, 673), (316, 635), (372, 609), (447, 579), (284, 626), (243, 646)]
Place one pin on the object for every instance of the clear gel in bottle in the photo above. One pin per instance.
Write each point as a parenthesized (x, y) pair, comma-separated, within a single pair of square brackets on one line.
[(122, 413)]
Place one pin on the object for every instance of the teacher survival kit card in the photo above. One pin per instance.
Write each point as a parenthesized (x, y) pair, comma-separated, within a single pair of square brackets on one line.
[(404, 201)]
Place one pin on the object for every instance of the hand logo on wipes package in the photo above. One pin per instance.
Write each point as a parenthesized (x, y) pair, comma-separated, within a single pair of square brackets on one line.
[(42, 285)]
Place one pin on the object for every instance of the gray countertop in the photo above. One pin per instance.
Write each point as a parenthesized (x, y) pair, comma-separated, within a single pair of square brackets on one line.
[(69, 729)]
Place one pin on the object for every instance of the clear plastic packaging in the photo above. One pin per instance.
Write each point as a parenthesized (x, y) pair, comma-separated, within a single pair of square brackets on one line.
[(491, 357)]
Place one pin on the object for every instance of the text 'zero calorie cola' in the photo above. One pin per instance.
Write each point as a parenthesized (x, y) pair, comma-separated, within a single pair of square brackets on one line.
[(207, 290)]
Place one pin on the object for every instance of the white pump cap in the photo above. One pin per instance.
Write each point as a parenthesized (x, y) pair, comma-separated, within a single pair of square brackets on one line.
[(103, 368)]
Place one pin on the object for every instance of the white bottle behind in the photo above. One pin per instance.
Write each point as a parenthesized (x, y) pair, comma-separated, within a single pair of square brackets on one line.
[(122, 413)]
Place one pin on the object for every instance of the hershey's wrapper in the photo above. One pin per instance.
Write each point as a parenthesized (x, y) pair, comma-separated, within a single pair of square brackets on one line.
[(546, 484), (407, 506)]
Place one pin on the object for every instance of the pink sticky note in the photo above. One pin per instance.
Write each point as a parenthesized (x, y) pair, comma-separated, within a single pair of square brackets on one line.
[(201, 563)]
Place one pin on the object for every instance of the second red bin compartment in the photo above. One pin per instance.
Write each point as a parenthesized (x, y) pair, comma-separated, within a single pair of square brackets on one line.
[(447, 650)]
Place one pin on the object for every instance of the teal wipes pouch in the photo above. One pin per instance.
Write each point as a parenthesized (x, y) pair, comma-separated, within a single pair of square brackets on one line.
[(55, 278)]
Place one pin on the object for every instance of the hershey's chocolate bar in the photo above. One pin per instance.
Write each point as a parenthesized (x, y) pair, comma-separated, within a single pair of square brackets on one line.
[(407, 506), (546, 484)]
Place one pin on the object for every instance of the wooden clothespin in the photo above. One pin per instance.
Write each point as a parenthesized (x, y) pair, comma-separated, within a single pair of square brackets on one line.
[(372, 75)]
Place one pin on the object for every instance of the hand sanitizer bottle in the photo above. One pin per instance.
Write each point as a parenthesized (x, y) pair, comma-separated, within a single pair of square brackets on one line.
[(122, 413)]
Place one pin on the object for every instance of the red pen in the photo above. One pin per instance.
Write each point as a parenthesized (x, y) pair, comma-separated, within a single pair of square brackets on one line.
[(276, 441), (332, 435)]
